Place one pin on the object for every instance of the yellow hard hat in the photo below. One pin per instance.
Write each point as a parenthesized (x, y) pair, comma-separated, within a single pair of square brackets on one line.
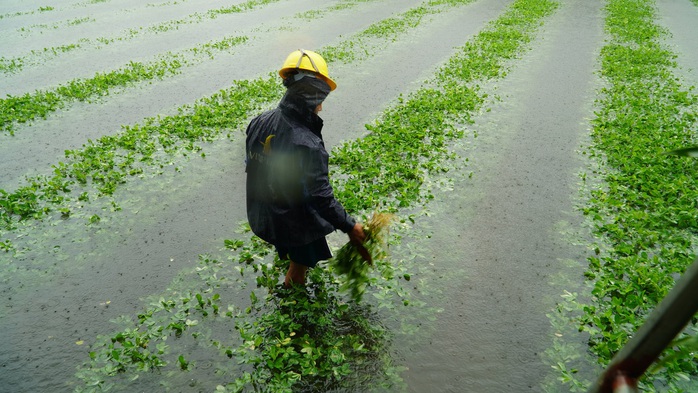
[(309, 61)]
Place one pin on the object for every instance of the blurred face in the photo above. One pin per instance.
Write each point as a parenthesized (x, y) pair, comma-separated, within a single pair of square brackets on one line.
[(318, 109)]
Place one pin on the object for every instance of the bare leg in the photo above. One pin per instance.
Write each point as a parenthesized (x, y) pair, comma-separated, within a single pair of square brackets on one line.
[(295, 275)]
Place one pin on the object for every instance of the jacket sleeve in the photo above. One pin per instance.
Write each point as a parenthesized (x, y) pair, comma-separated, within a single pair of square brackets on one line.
[(320, 193)]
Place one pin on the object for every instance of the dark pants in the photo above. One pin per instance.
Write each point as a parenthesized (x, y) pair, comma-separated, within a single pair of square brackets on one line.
[(306, 255)]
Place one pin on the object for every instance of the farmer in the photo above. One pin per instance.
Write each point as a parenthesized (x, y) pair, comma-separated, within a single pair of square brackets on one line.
[(290, 202)]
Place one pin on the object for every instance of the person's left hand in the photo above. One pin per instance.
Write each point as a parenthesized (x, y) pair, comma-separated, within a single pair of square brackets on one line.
[(357, 238)]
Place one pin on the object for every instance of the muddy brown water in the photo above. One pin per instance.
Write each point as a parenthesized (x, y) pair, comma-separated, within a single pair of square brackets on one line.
[(495, 243)]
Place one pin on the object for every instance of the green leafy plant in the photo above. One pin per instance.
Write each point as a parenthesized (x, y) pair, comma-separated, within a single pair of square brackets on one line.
[(364, 43), (351, 264), (679, 351), (643, 213), (296, 333), (319, 13), (22, 13), (21, 109)]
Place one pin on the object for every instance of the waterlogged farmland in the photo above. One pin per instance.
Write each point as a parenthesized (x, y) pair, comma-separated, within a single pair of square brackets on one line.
[(536, 221)]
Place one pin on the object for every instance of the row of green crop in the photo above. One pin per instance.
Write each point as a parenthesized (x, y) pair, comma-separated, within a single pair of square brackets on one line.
[(109, 161), (30, 106), (645, 213), (21, 13), (48, 8), (429, 116), (36, 57), (321, 12), (25, 30), (289, 342), (389, 28), (305, 339)]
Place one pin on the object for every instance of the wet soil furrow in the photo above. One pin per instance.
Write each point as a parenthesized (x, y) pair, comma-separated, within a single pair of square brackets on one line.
[(502, 227), (680, 17)]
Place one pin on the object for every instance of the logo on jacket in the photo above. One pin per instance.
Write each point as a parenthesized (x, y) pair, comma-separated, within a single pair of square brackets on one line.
[(267, 144), (261, 157)]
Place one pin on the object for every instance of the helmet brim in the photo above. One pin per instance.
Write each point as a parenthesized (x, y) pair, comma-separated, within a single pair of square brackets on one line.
[(284, 73)]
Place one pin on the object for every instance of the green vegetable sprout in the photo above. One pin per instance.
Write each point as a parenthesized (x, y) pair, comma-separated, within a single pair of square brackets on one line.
[(351, 261)]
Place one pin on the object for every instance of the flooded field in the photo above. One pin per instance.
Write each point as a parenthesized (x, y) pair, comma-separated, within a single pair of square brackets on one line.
[(119, 224)]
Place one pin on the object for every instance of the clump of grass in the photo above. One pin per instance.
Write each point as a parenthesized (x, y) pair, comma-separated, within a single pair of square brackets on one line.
[(351, 261)]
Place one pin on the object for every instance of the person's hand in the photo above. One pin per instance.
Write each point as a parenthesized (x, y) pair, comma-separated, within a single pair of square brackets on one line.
[(357, 238)]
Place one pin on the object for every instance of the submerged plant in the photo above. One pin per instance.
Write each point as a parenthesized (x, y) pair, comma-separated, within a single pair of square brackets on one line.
[(304, 338)]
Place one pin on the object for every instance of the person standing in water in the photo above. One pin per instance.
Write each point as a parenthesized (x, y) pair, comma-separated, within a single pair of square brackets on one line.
[(290, 201)]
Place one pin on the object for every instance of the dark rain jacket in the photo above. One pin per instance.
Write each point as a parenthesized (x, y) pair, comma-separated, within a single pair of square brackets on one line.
[(290, 201)]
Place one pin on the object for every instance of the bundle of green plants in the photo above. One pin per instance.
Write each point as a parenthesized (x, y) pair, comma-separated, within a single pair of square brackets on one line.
[(354, 261)]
